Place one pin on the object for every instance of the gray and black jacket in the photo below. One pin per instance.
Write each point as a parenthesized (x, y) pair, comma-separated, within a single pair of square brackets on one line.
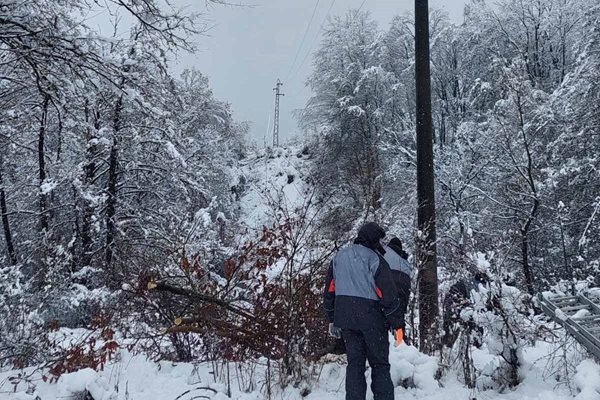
[(359, 289), (402, 273)]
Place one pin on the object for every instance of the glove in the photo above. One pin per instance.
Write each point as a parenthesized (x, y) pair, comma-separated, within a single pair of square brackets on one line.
[(399, 336), (334, 331)]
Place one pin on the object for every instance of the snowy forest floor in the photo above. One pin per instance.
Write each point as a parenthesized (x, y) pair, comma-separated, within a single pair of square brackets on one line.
[(134, 377)]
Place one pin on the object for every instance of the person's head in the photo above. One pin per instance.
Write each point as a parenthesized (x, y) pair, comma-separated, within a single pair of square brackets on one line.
[(370, 235), (396, 245)]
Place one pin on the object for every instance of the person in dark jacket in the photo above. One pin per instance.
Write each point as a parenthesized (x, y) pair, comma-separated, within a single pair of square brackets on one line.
[(362, 304), (402, 272)]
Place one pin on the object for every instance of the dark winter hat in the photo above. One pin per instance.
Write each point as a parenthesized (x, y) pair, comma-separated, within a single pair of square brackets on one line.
[(369, 235), (396, 244)]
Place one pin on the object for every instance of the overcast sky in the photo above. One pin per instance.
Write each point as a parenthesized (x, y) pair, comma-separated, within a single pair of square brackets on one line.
[(249, 48)]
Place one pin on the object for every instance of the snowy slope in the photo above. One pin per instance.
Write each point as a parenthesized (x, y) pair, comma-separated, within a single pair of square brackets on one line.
[(273, 178)]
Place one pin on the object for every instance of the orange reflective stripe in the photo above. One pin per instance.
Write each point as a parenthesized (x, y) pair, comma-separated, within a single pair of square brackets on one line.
[(332, 286), (379, 294)]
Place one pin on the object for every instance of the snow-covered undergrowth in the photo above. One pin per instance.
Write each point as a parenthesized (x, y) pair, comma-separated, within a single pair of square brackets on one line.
[(273, 179), (134, 377)]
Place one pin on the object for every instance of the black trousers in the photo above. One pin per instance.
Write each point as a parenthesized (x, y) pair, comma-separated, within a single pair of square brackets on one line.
[(372, 345)]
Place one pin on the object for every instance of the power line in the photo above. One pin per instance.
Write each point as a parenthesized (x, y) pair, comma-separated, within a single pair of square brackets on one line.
[(362, 4), (315, 38), (267, 131), (303, 38)]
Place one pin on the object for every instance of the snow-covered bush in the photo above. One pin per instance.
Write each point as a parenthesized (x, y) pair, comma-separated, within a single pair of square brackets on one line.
[(264, 304), (22, 325), (495, 321)]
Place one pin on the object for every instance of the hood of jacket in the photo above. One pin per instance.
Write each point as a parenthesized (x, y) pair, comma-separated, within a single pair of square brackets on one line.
[(370, 235), (396, 245)]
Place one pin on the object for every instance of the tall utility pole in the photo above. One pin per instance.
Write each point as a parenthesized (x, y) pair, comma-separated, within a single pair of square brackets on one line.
[(276, 119), (426, 246)]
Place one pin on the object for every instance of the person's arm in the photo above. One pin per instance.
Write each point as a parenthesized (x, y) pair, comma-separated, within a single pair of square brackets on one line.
[(388, 295), (404, 285), (329, 293)]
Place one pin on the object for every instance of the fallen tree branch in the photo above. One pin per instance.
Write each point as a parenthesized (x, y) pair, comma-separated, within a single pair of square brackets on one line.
[(165, 287), (198, 388)]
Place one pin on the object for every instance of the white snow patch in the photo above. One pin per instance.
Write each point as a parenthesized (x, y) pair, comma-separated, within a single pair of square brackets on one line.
[(587, 380), (170, 147), (77, 381), (48, 186), (581, 313)]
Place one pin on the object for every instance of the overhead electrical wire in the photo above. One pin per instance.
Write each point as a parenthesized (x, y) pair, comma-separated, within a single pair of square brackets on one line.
[(303, 39), (312, 45)]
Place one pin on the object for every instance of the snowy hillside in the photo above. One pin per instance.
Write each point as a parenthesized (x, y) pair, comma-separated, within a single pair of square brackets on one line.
[(274, 180)]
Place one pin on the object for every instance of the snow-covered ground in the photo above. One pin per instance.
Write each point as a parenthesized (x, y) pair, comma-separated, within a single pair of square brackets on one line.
[(272, 179), (133, 377)]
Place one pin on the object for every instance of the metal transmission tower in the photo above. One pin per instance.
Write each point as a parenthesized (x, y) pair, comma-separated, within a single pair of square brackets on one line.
[(276, 119)]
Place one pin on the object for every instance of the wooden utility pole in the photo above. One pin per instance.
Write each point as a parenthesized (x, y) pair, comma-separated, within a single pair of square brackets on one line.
[(426, 238)]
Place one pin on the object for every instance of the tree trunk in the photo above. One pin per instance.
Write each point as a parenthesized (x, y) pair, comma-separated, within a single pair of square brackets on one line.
[(112, 189), (525, 261), (526, 226), (12, 254), (373, 168), (373, 181), (42, 166), (568, 267), (89, 176), (426, 246)]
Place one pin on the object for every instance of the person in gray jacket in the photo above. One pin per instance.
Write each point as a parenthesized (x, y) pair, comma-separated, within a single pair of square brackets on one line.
[(402, 272), (362, 304)]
